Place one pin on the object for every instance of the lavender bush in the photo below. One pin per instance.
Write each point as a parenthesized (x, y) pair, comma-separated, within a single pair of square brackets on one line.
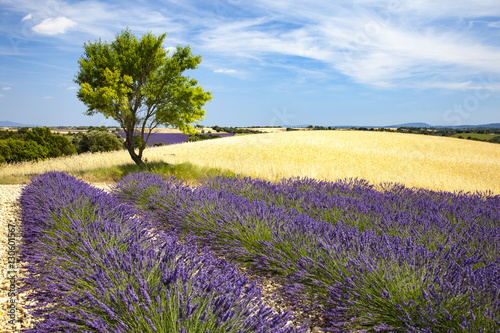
[(172, 138), (362, 278), (428, 217), (95, 266)]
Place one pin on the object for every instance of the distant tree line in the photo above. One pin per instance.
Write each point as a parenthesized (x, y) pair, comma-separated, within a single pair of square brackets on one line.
[(234, 130), (330, 128), (476, 134), (40, 143), (200, 137), (33, 144)]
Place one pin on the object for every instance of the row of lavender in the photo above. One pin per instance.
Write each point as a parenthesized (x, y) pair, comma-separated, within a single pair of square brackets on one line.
[(173, 138), (367, 260), (95, 266), (428, 217)]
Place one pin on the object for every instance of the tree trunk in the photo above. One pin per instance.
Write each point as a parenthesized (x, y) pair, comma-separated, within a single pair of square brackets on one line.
[(129, 142), (136, 157)]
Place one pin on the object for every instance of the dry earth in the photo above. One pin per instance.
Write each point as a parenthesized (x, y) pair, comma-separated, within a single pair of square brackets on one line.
[(13, 315)]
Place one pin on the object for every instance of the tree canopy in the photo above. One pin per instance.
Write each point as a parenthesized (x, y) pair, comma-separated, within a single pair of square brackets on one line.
[(141, 85)]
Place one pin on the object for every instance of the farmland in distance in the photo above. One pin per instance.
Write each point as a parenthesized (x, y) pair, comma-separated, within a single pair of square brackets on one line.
[(172, 138), (437, 163)]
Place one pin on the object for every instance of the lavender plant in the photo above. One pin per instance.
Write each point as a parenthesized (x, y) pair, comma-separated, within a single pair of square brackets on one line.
[(428, 217), (171, 138), (363, 279), (95, 266)]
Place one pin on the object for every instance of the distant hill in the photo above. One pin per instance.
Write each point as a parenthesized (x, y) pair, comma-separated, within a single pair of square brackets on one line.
[(417, 125), (7, 123), (491, 125), (410, 125)]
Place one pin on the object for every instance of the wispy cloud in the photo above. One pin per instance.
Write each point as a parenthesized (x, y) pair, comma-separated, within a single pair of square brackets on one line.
[(27, 17), (225, 71), (371, 42), (1, 95), (77, 22), (71, 88), (170, 49), (6, 88), (48, 97), (380, 43)]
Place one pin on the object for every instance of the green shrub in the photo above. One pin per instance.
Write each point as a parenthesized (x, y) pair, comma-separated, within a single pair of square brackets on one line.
[(56, 144), (97, 141), (20, 151), (495, 139), (4, 152), (200, 137)]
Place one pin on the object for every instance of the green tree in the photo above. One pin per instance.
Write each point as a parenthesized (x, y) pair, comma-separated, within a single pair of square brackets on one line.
[(56, 144), (495, 139), (141, 86), (4, 152), (97, 140), (20, 151)]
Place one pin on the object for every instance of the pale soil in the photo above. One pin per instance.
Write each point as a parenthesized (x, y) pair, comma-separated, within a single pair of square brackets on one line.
[(10, 267)]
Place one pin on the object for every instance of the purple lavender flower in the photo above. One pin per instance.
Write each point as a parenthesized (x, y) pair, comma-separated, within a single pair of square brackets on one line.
[(96, 265), (365, 258)]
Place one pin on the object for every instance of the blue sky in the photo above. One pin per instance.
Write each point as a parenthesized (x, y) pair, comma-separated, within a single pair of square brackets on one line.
[(271, 62)]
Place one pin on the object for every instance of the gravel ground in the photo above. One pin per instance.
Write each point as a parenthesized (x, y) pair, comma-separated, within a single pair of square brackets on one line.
[(13, 316)]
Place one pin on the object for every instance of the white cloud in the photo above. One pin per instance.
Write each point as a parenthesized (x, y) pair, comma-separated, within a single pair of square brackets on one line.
[(6, 88), (374, 42), (370, 42), (54, 26), (93, 19), (27, 17), (71, 88), (47, 97), (225, 71), (398, 54), (469, 85), (171, 49)]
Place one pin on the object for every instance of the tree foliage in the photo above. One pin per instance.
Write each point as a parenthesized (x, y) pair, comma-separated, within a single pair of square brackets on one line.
[(4, 151), (31, 145), (56, 144), (20, 151), (140, 85), (97, 140)]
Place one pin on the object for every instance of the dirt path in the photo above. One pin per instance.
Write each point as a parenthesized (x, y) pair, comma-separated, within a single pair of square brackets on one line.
[(13, 316)]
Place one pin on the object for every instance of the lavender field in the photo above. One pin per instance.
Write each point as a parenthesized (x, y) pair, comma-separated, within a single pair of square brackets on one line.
[(173, 138), (94, 266), (144, 258)]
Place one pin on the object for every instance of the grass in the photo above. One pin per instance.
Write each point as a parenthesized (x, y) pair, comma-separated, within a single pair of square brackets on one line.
[(188, 172), (436, 163), (474, 136)]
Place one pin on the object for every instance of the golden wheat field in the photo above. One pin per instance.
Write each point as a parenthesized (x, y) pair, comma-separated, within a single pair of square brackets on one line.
[(414, 160)]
